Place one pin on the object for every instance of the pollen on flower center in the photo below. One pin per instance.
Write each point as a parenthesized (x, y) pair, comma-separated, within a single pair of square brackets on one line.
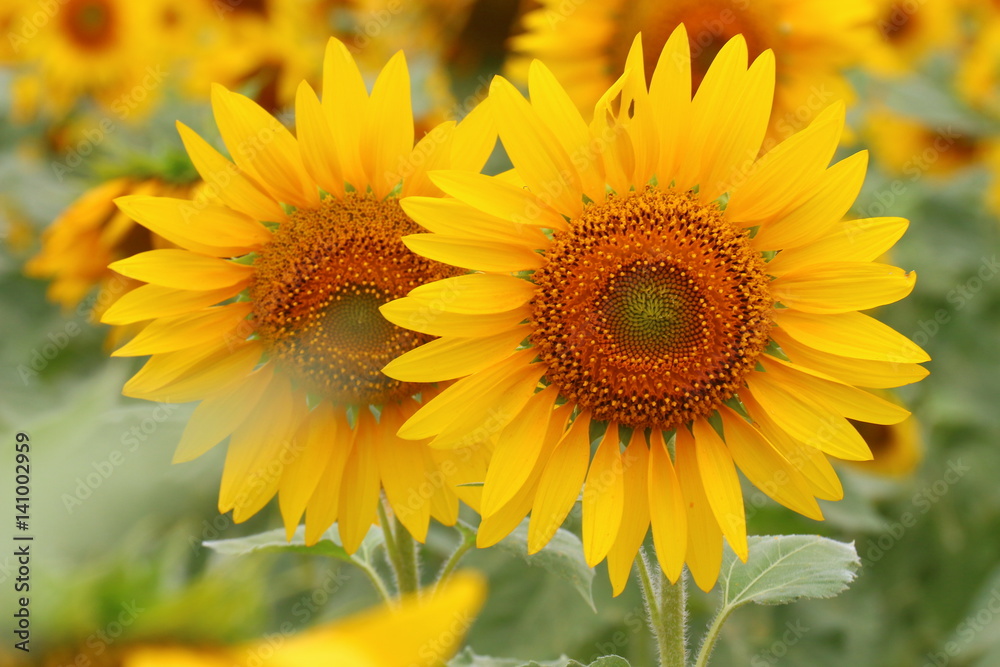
[(317, 289), (651, 309), (90, 23)]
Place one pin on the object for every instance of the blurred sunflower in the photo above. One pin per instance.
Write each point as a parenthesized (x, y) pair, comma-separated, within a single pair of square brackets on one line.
[(90, 234), (106, 49), (896, 448), (283, 344), (909, 32), (585, 43), (423, 634), (906, 146), (705, 308), (267, 45)]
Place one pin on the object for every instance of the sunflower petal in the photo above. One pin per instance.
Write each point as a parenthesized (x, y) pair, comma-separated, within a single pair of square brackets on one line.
[(603, 498), (182, 269), (722, 485), (840, 287), (387, 131)]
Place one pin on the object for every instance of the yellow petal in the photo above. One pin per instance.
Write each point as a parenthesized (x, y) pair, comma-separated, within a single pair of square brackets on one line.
[(785, 176), (603, 498), (387, 131), (560, 115), (345, 101), (765, 467), (809, 461), (850, 335), (204, 228), (670, 88), (850, 241), (181, 269), (840, 287), (474, 255), (407, 483), (475, 139), (445, 408), (451, 217), (861, 372), (227, 182), (497, 197), (429, 317), (263, 148), (807, 421), (722, 486), (843, 399), (829, 200), (432, 153), (319, 151), (324, 504), (311, 451), (635, 512), (217, 417), (208, 326), (535, 151), (642, 128), (450, 358), (666, 509), (217, 373), (560, 483), (517, 451), (704, 541), (151, 301), (476, 293), (359, 489)]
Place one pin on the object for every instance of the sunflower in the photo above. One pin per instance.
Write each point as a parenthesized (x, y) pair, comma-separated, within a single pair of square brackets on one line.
[(266, 44), (268, 314), (910, 31), (585, 43), (670, 293), (109, 50), (423, 634), (90, 234), (908, 147), (897, 449)]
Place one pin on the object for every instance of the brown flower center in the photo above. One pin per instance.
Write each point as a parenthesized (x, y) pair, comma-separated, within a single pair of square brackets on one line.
[(316, 293), (90, 24), (651, 309)]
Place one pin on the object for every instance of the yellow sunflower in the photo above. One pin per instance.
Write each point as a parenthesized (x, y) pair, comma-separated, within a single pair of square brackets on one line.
[(897, 449), (271, 44), (109, 50), (585, 43), (657, 286), (90, 234), (910, 31), (421, 633), (268, 314), (910, 148)]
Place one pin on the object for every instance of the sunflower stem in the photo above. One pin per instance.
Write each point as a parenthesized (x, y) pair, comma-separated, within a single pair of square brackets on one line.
[(666, 605), (468, 541), (401, 550), (711, 637), (377, 583)]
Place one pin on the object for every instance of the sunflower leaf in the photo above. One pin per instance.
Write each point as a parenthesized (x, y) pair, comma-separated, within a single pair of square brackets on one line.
[(783, 569), (274, 540), (562, 557)]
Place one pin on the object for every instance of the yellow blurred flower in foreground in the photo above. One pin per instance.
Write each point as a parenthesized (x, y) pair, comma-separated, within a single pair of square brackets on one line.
[(585, 43), (268, 314), (650, 317), (421, 633)]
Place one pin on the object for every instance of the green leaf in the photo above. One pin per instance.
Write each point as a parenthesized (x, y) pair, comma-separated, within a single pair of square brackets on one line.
[(562, 557), (469, 659), (274, 540), (783, 569)]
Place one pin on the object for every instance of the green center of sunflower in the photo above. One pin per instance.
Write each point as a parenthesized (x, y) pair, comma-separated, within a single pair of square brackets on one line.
[(316, 293), (651, 309), (89, 23)]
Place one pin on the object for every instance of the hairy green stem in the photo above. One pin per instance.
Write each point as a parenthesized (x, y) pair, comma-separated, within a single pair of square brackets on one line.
[(666, 605)]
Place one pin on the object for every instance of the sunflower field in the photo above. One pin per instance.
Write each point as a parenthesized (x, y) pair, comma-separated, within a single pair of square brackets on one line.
[(500, 333)]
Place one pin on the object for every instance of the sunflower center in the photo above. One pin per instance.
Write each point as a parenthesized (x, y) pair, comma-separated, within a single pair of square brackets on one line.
[(651, 309), (89, 23), (316, 293), (710, 24)]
